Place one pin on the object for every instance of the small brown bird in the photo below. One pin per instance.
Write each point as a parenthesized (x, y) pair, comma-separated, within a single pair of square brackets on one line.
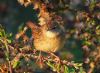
[(48, 37)]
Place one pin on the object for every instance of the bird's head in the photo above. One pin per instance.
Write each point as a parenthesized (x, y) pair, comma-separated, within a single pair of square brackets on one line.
[(52, 30)]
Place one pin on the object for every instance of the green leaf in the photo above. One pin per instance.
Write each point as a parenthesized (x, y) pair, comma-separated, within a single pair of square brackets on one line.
[(72, 71), (0, 34), (9, 41), (16, 63), (98, 27), (51, 65), (81, 70), (7, 56), (66, 70)]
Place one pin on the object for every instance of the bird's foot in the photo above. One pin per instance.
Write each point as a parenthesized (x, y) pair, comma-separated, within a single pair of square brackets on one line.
[(39, 60), (56, 58)]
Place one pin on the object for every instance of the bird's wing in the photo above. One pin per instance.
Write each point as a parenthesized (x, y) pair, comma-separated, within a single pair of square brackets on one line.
[(36, 30)]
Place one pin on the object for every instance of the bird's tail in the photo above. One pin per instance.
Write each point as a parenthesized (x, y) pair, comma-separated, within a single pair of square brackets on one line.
[(31, 25)]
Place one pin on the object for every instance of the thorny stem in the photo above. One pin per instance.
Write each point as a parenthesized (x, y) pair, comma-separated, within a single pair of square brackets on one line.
[(34, 56), (46, 59), (7, 53)]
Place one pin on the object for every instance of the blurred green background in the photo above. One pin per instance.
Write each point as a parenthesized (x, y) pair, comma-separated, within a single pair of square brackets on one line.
[(13, 15)]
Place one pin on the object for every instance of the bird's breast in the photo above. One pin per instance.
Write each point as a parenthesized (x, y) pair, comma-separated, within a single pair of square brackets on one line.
[(50, 34), (48, 44)]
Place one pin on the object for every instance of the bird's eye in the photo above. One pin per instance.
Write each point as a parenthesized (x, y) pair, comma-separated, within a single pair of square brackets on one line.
[(54, 27)]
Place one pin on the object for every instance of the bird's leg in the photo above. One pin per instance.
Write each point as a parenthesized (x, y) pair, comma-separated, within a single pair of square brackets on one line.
[(57, 59), (39, 57), (39, 60)]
